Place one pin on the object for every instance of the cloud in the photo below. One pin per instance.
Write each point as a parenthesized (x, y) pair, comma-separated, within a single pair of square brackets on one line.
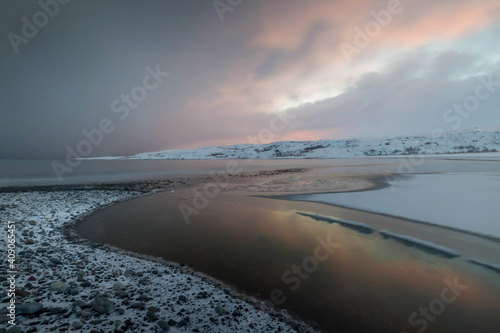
[(229, 78)]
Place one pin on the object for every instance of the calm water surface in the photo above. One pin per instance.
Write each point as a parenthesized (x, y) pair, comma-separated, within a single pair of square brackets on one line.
[(367, 283)]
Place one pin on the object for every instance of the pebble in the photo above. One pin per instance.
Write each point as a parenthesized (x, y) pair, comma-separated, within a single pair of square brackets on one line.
[(56, 310), (58, 286), (103, 305), (138, 305), (29, 308), (118, 286), (220, 310), (55, 261), (163, 325), (77, 325)]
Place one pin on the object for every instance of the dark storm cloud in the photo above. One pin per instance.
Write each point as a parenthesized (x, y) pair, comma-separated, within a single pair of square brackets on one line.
[(66, 77)]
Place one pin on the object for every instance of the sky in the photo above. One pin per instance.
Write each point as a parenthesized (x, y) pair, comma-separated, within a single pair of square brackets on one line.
[(133, 76)]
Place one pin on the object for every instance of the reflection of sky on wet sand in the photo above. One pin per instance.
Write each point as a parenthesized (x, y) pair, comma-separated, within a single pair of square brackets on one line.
[(367, 282)]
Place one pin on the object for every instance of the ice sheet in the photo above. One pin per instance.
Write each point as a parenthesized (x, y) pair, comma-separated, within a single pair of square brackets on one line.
[(466, 201)]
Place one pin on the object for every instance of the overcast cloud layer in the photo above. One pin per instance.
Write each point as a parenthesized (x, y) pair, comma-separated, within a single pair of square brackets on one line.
[(227, 78)]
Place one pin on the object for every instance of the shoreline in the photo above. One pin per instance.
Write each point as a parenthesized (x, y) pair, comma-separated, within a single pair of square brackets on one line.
[(70, 232), (53, 304), (243, 185), (67, 308)]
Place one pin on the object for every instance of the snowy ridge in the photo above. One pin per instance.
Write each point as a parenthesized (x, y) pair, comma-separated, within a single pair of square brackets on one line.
[(406, 240), (493, 267), (466, 141), (359, 226), (422, 244)]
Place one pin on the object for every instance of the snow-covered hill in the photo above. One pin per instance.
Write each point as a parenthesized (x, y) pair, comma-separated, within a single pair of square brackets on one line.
[(466, 141)]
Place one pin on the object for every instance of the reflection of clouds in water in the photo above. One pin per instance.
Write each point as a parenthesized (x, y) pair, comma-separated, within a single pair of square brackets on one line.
[(353, 290)]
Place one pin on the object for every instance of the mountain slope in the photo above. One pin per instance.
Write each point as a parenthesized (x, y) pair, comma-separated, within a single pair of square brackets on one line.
[(467, 141)]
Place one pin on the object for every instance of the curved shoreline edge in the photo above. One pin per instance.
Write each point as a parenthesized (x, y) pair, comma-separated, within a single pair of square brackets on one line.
[(70, 232), (43, 217)]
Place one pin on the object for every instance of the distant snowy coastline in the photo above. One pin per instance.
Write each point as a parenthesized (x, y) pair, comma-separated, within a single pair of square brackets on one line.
[(466, 141)]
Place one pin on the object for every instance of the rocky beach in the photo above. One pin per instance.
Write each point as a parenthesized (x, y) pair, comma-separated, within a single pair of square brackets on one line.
[(64, 283)]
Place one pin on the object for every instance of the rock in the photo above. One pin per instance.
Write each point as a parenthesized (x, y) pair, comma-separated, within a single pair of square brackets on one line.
[(85, 284), (29, 241), (103, 305), (59, 286), (163, 325), (119, 286), (128, 273), (4, 318), (32, 222), (139, 305), (74, 291), (172, 322), (80, 265), (81, 304), (182, 323), (29, 308), (237, 313), (182, 298), (123, 294), (220, 310), (21, 293), (86, 313), (56, 310), (120, 311), (55, 261), (77, 311), (14, 330), (77, 325), (151, 316), (202, 294)]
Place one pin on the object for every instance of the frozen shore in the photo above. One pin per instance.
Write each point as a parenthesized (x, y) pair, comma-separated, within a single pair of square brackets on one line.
[(66, 284), (463, 201)]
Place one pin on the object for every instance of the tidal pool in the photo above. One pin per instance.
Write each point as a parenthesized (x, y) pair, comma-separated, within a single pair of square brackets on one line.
[(360, 282)]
